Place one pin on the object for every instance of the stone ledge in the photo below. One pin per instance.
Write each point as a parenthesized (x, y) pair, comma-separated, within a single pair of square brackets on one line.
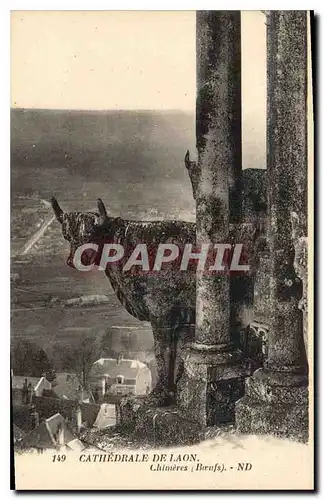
[(194, 355), (259, 387), (225, 363), (161, 426), (281, 420), (211, 383), (274, 403)]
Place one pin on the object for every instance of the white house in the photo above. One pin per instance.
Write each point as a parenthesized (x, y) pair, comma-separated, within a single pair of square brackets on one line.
[(120, 376)]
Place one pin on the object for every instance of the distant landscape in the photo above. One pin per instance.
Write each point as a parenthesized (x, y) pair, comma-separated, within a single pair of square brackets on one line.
[(133, 161)]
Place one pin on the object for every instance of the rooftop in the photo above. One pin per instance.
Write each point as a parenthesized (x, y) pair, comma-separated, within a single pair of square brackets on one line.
[(111, 367), (17, 381), (46, 434), (67, 385), (18, 433)]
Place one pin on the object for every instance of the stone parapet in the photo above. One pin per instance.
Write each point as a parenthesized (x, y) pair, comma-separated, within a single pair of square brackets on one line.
[(211, 383), (270, 408), (160, 426)]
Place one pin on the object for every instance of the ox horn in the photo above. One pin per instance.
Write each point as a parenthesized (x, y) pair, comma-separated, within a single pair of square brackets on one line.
[(102, 210), (57, 209), (187, 159)]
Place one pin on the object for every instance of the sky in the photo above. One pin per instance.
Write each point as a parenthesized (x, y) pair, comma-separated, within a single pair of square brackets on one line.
[(127, 60), (103, 60), (124, 60)]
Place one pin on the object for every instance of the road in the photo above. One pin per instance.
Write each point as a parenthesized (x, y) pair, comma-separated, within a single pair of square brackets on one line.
[(36, 236)]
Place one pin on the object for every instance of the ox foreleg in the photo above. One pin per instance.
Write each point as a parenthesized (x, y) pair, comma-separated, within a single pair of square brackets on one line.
[(165, 350)]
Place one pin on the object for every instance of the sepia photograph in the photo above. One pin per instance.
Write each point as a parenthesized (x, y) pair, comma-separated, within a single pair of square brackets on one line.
[(161, 265)]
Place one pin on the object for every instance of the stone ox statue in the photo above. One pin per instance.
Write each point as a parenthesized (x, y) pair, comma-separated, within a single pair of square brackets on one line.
[(166, 299)]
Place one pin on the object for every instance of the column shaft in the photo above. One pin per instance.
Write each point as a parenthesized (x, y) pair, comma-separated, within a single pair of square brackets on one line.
[(276, 398), (218, 132), (287, 180), (213, 370)]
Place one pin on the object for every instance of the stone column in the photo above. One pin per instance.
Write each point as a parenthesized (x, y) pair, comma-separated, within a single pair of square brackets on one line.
[(218, 132), (213, 371), (276, 396)]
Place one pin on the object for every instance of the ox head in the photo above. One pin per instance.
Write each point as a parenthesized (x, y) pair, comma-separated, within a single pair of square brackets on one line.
[(81, 227)]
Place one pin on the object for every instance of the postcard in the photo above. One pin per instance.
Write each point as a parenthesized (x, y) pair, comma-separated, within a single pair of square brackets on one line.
[(162, 219)]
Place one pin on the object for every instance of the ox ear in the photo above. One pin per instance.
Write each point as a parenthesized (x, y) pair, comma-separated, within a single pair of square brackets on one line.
[(57, 210), (102, 210), (187, 159)]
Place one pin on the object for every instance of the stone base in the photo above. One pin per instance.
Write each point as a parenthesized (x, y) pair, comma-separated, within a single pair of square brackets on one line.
[(212, 382), (271, 406), (159, 426)]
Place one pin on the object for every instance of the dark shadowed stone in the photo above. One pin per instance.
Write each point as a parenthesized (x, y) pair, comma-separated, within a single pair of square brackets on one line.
[(160, 426), (254, 200), (262, 306), (280, 410), (210, 385)]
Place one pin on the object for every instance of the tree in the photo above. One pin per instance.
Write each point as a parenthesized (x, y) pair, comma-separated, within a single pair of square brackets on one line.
[(108, 344), (30, 360), (128, 343), (79, 357), (114, 344)]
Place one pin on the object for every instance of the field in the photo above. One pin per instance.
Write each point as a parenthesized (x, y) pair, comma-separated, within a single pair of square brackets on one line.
[(133, 161)]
